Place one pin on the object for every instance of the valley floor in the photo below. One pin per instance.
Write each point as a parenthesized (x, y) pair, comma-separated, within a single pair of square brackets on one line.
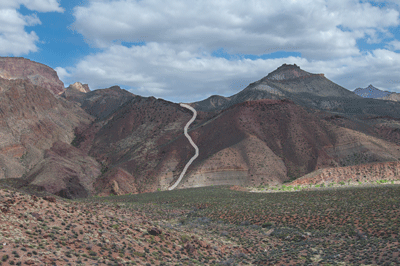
[(204, 226)]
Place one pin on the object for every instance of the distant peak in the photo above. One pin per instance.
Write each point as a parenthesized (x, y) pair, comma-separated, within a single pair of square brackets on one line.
[(371, 92)]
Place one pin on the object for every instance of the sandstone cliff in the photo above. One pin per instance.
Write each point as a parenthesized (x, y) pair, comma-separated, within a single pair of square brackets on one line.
[(12, 68)]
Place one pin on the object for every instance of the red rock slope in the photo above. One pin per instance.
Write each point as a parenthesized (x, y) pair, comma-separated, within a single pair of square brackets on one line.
[(32, 119), (269, 141), (142, 147)]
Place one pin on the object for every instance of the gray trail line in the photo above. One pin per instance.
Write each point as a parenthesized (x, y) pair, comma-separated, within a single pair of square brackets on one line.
[(191, 142)]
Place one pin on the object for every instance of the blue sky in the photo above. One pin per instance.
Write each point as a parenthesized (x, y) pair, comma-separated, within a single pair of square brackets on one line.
[(185, 51)]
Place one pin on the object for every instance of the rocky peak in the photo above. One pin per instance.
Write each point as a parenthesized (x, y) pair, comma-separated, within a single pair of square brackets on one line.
[(285, 72), (80, 87), (20, 68)]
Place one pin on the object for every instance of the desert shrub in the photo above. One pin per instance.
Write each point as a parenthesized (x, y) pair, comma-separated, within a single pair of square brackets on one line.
[(75, 142), (185, 238), (92, 253), (267, 224), (115, 226), (4, 258)]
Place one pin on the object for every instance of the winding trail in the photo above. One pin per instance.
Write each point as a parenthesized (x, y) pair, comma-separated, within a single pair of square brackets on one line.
[(191, 142)]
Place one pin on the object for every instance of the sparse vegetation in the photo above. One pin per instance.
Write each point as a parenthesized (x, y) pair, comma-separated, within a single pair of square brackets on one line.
[(290, 216), (288, 225)]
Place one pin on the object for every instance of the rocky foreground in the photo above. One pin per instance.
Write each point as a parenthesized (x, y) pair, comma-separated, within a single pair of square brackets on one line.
[(207, 226), (53, 231)]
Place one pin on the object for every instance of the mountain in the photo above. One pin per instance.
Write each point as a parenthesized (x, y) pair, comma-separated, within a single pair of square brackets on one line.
[(286, 82), (12, 68), (109, 141), (142, 147), (320, 96), (371, 92)]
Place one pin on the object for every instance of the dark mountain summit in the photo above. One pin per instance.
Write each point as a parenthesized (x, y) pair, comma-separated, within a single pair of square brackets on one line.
[(371, 92), (285, 72)]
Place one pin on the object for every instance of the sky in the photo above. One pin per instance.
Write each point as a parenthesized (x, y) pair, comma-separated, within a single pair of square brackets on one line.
[(188, 50)]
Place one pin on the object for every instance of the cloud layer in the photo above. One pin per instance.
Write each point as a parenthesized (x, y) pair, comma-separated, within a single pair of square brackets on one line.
[(318, 29), (177, 39), (14, 39)]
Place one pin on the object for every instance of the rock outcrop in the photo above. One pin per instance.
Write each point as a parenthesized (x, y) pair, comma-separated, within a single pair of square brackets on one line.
[(116, 181), (79, 87), (65, 171), (12, 68)]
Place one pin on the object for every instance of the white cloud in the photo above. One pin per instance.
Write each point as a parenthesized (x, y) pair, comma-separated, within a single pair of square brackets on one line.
[(176, 62), (379, 67), (14, 40), (161, 71), (62, 73), (245, 27), (36, 5), (394, 45), (356, 15), (43, 5)]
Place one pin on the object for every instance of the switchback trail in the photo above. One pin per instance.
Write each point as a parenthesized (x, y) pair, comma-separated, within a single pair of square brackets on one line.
[(191, 142)]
